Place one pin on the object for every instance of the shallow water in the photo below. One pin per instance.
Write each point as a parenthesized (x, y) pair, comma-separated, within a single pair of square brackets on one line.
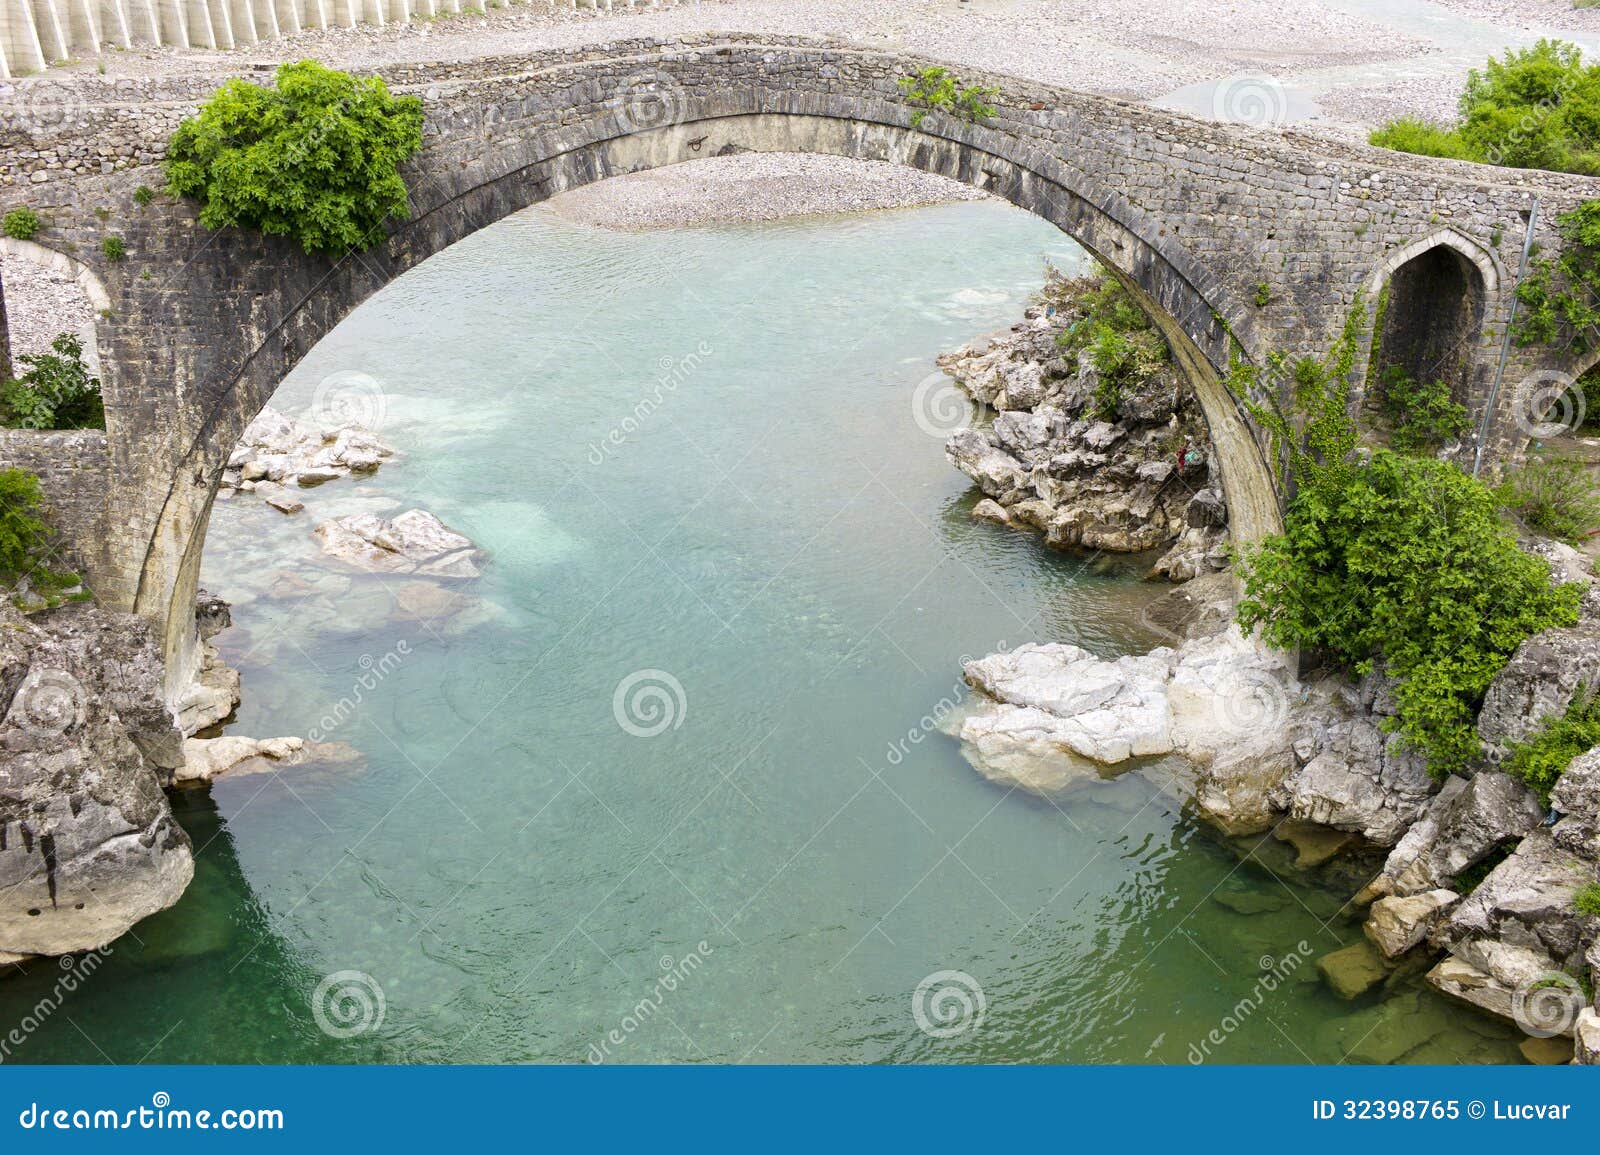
[(778, 541)]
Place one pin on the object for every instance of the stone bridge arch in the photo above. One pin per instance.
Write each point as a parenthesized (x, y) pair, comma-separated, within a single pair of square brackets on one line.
[(1237, 242)]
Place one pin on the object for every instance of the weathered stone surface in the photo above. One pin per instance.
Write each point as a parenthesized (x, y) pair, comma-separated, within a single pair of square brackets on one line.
[(414, 542), (280, 450), (1538, 683), (1526, 903), (208, 758), (209, 698), (88, 845), (1577, 798), (1466, 982), (1586, 1038), (1354, 970), (1396, 924), (1053, 463), (1464, 822), (990, 510), (1359, 780)]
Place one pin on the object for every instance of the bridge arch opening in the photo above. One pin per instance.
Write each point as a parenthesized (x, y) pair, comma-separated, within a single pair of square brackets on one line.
[(1431, 299), (277, 304)]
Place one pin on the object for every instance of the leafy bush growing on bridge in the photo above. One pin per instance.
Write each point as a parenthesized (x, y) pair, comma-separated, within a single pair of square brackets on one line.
[(1422, 414), (1394, 563), (21, 224), (1557, 299), (938, 89), (56, 391), (315, 158), (1536, 107)]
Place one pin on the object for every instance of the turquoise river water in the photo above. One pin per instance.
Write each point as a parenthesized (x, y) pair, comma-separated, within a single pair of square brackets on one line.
[(658, 785)]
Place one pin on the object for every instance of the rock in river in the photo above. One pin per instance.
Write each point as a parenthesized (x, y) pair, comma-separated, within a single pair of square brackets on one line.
[(414, 542)]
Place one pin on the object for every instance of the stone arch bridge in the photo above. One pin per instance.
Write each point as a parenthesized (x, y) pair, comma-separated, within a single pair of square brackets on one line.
[(1235, 240)]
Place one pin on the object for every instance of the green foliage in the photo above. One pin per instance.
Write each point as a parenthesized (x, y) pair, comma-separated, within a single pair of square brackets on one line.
[(22, 533), (1535, 107), (114, 249), (1422, 415), (1558, 297), (1421, 138), (1586, 900), (1554, 496), (143, 195), (56, 391), (1403, 565), (21, 224), (1263, 295), (316, 158), (1399, 564), (1541, 760), (939, 89), (1118, 337)]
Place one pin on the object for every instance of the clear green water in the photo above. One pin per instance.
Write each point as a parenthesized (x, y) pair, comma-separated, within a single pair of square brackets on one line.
[(780, 535)]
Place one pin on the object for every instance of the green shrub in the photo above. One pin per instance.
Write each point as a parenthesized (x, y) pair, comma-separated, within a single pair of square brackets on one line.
[(1541, 759), (1421, 138), (1422, 414), (56, 391), (1405, 566), (1586, 900), (1535, 107), (1398, 563), (1117, 336), (1557, 297), (1554, 496), (938, 89), (21, 531), (143, 195), (21, 224), (316, 158), (114, 249)]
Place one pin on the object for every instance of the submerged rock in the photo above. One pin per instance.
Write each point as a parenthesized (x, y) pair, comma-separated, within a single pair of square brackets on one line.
[(278, 451), (414, 542), (205, 759), (88, 845), (1354, 970)]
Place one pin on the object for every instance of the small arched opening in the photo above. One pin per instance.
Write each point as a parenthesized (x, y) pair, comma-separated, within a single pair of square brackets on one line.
[(1430, 312)]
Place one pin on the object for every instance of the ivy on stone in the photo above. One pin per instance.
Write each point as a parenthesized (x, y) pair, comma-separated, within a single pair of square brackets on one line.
[(1557, 299), (315, 158)]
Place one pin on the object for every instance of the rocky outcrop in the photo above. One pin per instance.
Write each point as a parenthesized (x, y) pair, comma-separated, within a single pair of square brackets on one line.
[(1123, 474), (1397, 924), (1538, 683), (414, 542), (88, 845), (1465, 822), (206, 759), (277, 452)]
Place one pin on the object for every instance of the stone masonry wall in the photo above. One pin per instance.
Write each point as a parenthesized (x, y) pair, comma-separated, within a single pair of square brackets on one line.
[(72, 467)]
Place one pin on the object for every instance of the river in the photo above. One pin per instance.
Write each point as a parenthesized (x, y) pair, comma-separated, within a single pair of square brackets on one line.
[(661, 785)]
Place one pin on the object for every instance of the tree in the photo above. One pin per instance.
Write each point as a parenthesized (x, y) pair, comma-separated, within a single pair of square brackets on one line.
[(315, 158)]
